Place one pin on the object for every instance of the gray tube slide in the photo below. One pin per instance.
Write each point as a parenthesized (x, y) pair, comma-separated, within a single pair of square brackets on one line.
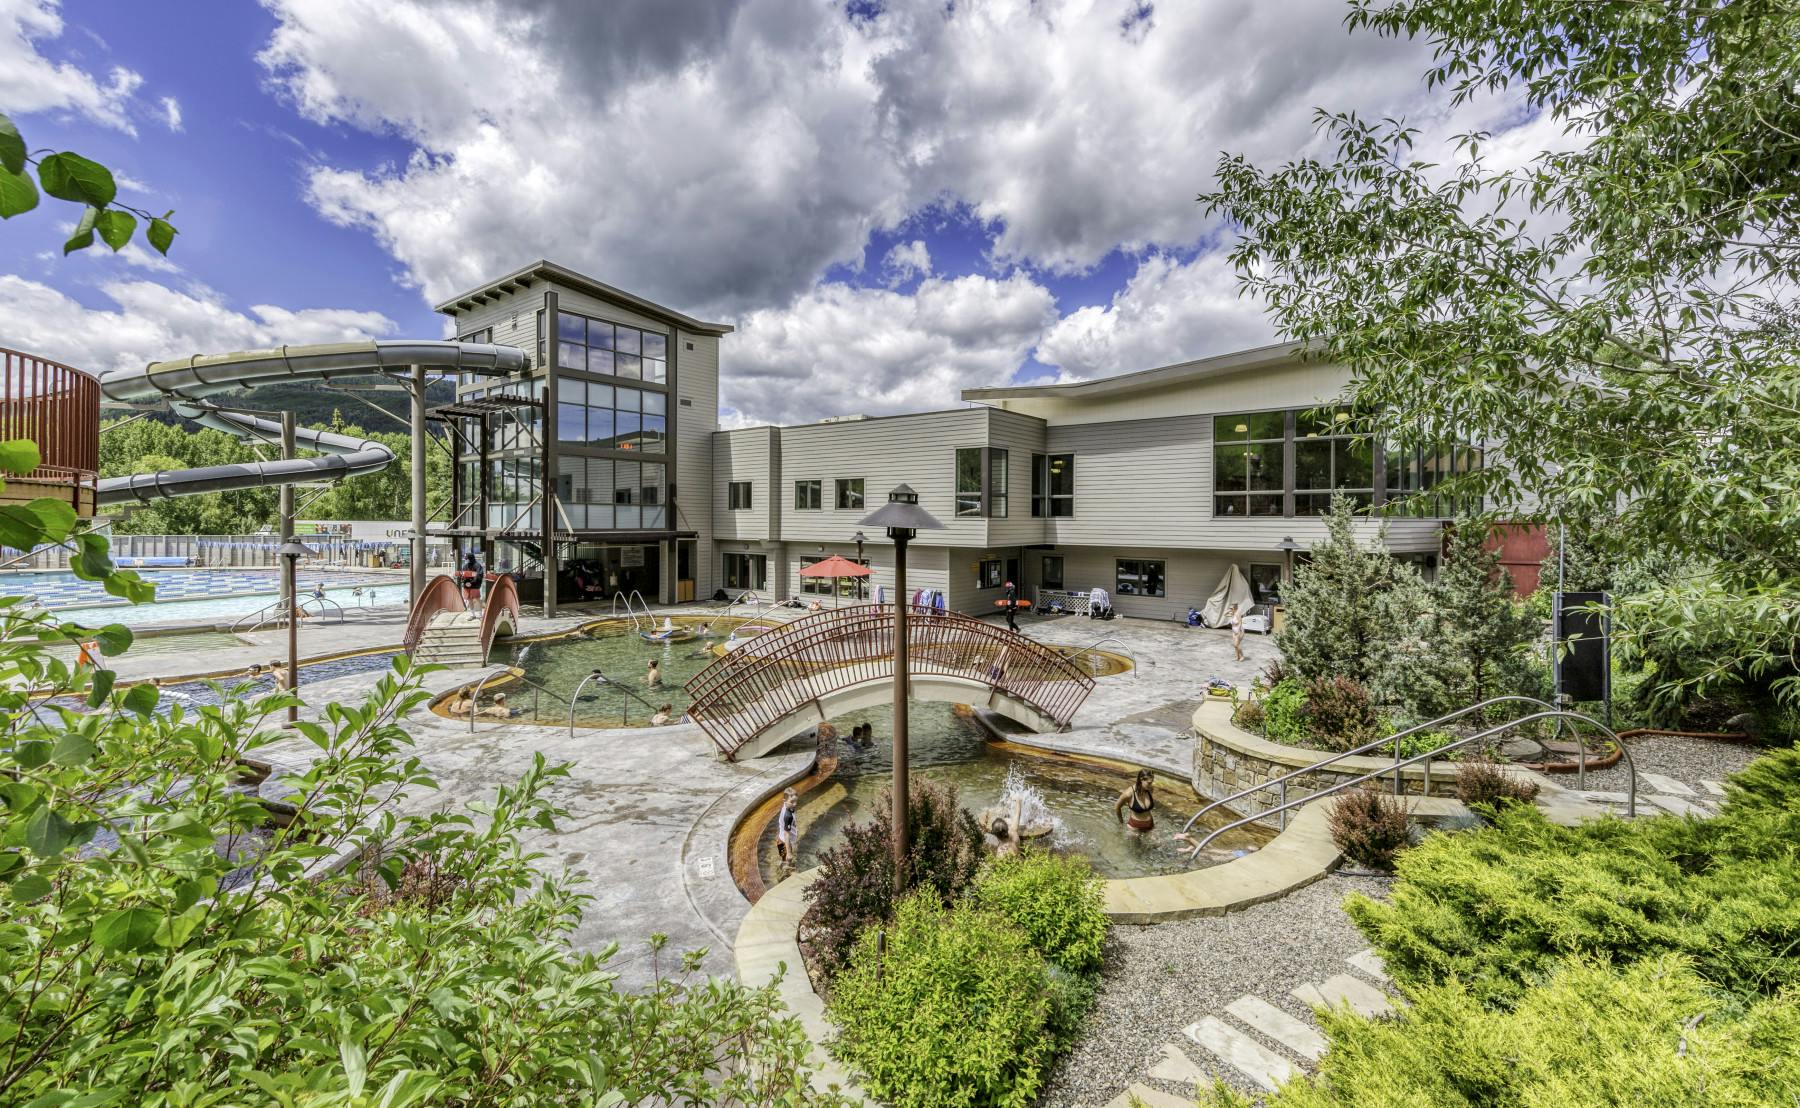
[(183, 386)]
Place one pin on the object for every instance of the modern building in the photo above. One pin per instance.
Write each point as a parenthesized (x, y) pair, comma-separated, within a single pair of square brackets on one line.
[(1148, 485), (618, 405)]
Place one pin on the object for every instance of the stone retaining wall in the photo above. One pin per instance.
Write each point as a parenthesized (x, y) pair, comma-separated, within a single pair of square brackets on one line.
[(1227, 758)]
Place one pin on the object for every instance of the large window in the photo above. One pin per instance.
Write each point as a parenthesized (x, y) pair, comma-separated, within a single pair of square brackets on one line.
[(1294, 462), (612, 417), (1139, 577), (981, 479), (1052, 485), (1249, 464), (1329, 460), (746, 571), (596, 346), (1413, 474), (514, 503), (600, 494), (737, 496), (806, 496), (849, 494)]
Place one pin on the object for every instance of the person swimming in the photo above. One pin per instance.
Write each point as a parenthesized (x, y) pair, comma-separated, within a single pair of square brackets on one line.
[(653, 676)]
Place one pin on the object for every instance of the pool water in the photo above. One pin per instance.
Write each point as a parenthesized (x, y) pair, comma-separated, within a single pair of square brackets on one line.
[(948, 746), (555, 668), (196, 694), (184, 595), (165, 646)]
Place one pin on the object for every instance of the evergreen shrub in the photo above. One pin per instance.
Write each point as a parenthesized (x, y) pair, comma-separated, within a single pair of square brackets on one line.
[(855, 886), (955, 1011), (1054, 899), (1340, 714), (1250, 716), (1370, 827), (1499, 908), (1590, 1036)]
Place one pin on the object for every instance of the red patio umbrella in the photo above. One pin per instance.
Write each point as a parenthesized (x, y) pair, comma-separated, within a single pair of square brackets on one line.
[(834, 567)]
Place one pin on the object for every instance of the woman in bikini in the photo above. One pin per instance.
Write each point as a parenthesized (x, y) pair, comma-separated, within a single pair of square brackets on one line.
[(1141, 800)]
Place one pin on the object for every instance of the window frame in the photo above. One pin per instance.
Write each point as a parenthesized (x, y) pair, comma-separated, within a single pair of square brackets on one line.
[(842, 486), (983, 575), (732, 488), (1044, 498), (817, 489), (755, 566), (1044, 574), (988, 499), (1141, 572)]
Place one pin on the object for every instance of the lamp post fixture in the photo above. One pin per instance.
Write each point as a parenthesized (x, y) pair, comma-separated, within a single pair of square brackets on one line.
[(1287, 546), (859, 539), (291, 552), (903, 518)]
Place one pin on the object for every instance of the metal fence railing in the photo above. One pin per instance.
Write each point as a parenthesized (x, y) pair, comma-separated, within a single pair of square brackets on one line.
[(233, 551)]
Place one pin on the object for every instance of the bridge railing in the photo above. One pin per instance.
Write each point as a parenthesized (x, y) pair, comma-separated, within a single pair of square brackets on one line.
[(767, 677), (502, 607), (440, 595)]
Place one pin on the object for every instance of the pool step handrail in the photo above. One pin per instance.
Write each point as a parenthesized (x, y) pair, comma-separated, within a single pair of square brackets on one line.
[(631, 694), (1363, 750), (475, 695), (1562, 715), (632, 613)]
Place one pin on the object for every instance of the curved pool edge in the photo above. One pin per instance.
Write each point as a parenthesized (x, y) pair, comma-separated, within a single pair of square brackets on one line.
[(767, 950)]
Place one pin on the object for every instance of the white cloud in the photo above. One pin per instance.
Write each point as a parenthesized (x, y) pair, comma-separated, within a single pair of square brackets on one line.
[(29, 82), (843, 349), (739, 150), (1169, 311), (171, 113), (153, 322), (906, 260)]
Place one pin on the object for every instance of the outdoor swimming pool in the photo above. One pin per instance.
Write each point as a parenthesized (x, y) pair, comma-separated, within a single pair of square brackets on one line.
[(554, 668), (949, 747), (197, 694), (196, 595)]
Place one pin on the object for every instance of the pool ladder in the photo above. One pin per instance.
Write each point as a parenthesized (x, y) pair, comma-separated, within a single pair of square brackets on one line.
[(275, 613)]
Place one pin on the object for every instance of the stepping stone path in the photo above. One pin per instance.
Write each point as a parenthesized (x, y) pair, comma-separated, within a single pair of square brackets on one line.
[(1659, 793), (1261, 1043)]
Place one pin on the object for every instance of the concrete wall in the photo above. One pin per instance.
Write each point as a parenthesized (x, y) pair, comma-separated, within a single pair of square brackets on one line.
[(694, 410)]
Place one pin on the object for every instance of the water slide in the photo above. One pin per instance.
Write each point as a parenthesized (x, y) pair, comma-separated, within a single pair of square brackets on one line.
[(183, 386)]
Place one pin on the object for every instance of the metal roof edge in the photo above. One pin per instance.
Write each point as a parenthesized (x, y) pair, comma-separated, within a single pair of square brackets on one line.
[(1175, 373), (544, 269)]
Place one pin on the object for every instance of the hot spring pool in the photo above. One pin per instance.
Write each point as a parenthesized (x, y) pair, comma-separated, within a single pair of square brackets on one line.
[(555, 668), (949, 747)]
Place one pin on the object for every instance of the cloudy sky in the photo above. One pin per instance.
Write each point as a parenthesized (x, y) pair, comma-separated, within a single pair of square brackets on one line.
[(890, 199)]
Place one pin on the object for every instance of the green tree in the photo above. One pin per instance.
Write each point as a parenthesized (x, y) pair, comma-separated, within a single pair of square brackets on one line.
[(1338, 605), (1485, 631), (386, 494), (69, 176), (1614, 318), (148, 446)]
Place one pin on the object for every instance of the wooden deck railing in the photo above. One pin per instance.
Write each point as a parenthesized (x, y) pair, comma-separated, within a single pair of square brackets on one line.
[(770, 676)]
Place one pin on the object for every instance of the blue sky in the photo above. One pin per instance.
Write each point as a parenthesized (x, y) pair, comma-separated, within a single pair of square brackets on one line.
[(891, 203)]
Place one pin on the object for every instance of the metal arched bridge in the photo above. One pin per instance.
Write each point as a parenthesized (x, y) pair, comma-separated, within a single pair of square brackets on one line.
[(794, 677)]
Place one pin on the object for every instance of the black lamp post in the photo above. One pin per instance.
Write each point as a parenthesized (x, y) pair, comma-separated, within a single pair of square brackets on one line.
[(903, 518), (1287, 546), (291, 552), (859, 539)]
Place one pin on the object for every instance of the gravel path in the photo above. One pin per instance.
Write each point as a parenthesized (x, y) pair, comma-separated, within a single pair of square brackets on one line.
[(1160, 978), (1689, 761)]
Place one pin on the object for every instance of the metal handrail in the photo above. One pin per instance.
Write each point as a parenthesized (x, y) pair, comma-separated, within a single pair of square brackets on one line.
[(1095, 645), (276, 609), (1365, 748), (619, 597), (625, 713), (1428, 756)]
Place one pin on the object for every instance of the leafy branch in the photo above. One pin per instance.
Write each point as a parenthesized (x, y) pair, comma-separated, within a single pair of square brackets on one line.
[(68, 176)]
